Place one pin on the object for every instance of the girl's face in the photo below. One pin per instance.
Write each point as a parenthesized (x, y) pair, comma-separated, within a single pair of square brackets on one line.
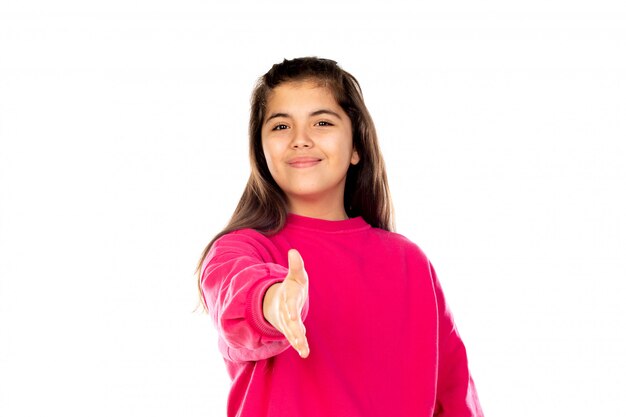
[(307, 142)]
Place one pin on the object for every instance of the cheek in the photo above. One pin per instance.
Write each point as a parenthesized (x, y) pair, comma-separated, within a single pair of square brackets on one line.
[(348, 150), (266, 151), (270, 153)]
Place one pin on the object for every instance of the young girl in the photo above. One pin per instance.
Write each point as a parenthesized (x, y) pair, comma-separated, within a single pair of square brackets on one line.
[(321, 309)]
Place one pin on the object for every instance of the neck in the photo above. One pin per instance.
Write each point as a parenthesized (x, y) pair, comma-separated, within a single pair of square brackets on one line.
[(318, 209)]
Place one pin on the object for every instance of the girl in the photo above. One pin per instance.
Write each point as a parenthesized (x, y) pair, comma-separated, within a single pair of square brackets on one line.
[(321, 309)]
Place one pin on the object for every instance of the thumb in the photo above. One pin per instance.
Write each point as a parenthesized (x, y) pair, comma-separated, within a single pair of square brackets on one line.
[(296, 267)]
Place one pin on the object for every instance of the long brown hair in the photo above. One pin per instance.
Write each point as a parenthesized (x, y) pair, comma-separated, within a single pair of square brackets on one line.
[(263, 205)]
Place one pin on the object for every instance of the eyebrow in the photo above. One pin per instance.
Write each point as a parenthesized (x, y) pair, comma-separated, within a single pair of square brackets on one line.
[(315, 113)]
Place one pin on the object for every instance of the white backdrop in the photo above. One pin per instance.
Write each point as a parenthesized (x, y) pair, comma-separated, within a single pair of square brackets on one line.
[(123, 151)]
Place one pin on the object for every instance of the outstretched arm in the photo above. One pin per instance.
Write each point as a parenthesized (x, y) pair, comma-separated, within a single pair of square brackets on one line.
[(237, 273)]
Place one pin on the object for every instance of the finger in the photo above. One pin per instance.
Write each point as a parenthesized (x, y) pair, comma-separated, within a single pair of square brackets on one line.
[(298, 339), (296, 267), (303, 343), (294, 332)]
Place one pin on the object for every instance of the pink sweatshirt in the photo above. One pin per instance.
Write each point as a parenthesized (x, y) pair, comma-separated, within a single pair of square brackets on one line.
[(382, 339)]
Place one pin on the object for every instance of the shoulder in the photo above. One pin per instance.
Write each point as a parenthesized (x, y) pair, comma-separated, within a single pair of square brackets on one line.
[(238, 243), (400, 244), (243, 239), (240, 235)]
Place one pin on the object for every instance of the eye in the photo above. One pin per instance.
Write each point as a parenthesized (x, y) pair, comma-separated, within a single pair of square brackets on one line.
[(324, 123), (280, 127)]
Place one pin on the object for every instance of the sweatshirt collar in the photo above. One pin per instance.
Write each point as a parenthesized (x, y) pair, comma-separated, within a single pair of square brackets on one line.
[(311, 223)]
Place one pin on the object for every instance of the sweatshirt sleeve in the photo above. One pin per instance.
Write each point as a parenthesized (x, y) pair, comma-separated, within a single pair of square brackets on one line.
[(236, 274), (456, 394)]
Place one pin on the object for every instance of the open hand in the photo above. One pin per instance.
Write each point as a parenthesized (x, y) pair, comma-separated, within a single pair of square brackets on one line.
[(283, 302)]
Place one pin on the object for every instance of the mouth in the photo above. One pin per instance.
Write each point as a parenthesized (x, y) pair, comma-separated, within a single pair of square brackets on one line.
[(303, 162)]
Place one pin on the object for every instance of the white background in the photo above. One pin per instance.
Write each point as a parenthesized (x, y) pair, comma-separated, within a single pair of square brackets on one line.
[(123, 151)]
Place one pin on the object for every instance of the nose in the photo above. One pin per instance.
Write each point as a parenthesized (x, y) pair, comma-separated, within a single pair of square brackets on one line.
[(301, 139)]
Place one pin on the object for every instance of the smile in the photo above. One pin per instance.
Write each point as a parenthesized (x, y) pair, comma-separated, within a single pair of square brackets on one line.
[(303, 162)]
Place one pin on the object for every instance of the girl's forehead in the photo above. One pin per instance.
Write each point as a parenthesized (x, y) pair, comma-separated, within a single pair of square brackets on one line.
[(295, 92)]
